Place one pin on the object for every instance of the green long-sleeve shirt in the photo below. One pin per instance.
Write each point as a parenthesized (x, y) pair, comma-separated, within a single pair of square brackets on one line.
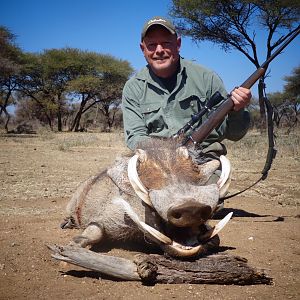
[(150, 110)]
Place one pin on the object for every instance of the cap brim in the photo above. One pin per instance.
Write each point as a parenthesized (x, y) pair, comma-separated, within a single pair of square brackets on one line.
[(172, 31)]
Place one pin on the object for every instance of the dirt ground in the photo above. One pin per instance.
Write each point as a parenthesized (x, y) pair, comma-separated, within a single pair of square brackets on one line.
[(39, 173)]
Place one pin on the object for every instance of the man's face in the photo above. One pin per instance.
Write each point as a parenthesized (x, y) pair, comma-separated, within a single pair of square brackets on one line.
[(161, 50)]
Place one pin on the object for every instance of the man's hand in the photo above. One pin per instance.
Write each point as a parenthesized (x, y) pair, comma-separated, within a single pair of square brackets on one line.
[(241, 97)]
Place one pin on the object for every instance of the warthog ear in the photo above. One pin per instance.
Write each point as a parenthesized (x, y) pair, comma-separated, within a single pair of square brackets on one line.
[(182, 152), (142, 155), (206, 170)]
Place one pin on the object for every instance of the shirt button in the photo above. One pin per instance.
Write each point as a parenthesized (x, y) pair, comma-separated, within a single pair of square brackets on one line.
[(192, 104), (148, 109)]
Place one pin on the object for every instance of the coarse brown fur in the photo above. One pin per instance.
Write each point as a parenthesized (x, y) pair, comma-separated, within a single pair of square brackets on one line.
[(164, 165)]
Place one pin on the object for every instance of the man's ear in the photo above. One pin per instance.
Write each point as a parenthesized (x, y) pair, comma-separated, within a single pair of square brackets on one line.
[(142, 46), (178, 42)]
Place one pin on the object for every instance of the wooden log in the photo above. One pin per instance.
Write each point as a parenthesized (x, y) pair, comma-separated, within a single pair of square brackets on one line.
[(154, 268), (113, 266), (213, 269)]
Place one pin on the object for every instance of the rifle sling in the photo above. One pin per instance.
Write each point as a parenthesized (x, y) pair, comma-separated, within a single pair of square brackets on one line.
[(271, 149)]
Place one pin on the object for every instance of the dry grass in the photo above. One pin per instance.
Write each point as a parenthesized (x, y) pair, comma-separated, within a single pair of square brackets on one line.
[(248, 157), (255, 144)]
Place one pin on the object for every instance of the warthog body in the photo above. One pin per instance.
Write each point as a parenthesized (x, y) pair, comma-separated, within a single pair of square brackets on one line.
[(160, 195)]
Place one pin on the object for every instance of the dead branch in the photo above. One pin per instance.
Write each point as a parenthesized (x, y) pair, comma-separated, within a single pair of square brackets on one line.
[(153, 268)]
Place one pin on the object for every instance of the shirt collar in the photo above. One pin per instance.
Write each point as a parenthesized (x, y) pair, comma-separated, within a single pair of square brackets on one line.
[(146, 75)]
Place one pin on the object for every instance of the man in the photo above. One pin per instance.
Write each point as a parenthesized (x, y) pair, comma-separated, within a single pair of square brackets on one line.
[(160, 99)]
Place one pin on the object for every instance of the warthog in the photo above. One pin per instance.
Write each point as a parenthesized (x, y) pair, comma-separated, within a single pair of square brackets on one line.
[(159, 195)]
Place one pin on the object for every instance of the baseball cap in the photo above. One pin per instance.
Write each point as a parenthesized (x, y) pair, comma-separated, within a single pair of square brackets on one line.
[(158, 21)]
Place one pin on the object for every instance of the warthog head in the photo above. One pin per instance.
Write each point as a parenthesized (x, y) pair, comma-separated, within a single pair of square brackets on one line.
[(177, 188)]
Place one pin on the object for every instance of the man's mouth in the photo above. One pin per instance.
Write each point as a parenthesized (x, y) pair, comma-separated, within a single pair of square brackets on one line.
[(162, 59)]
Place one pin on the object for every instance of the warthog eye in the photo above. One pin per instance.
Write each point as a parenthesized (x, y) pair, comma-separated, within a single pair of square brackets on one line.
[(177, 215)]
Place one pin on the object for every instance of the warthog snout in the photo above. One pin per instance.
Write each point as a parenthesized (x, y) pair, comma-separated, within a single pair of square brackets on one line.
[(190, 213)]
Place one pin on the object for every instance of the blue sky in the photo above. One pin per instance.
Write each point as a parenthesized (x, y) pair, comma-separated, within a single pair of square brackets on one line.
[(113, 27)]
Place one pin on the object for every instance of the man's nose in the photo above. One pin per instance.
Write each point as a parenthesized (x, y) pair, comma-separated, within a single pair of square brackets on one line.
[(159, 48)]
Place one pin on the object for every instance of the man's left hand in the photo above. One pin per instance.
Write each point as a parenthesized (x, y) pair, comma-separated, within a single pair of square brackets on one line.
[(241, 97)]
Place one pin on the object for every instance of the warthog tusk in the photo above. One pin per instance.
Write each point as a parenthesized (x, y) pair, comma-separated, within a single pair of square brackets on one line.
[(171, 247), (224, 180), (135, 181), (182, 251), (217, 228), (179, 250), (166, 243), (221, 224), (156, 234)]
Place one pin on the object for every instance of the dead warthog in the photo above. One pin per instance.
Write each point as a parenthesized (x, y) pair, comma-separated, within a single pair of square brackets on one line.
[(158, 195)]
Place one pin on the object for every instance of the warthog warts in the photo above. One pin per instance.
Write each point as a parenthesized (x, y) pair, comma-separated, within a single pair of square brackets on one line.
[(158, 195)]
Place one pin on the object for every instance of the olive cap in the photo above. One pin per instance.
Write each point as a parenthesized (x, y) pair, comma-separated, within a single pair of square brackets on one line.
[(158, 21)]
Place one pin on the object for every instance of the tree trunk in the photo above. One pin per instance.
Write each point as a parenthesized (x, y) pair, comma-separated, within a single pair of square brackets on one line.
[(59, 120), (76, 123), (3, 109), (49, 122), (96, 114), (105, 112)]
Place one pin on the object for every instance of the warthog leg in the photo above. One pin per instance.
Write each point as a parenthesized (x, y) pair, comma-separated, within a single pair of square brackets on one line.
[(90, 236)]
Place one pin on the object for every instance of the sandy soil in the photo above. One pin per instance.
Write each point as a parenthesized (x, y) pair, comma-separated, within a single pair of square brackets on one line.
[(39, 173)]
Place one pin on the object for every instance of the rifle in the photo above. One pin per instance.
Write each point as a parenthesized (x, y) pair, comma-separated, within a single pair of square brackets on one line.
[(220, 113)]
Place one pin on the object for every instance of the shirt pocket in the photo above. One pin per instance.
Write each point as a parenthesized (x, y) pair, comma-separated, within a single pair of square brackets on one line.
[(192, 105), (153, 116), (149, 108)]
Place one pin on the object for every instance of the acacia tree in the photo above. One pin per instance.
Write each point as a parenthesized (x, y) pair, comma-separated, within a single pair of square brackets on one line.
[(231, 25), (44, 77), (57, 77), (287, 103), (292, 86), (101, 84), (292, 90), (10, 59), (33, 84), (278, 101)]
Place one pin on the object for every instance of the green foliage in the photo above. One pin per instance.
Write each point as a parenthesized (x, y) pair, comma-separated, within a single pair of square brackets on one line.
[(101, 83), (57, 77), (287, 104), (277, 98), (284, 13), (292, 86), (10, 57)]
